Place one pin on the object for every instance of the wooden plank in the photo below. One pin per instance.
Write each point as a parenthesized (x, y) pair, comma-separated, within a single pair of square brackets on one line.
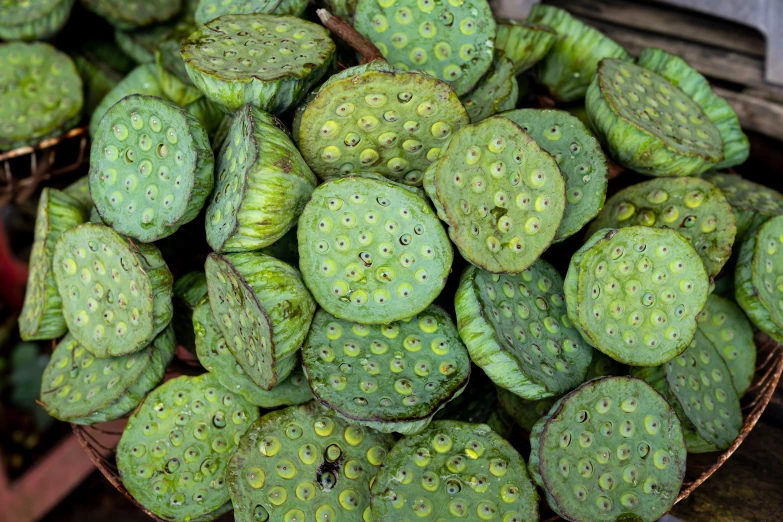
[(756, 114)]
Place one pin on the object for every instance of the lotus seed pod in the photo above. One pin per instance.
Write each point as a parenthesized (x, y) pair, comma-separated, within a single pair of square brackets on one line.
[(736, 147), (262, 187), (173, 78), (369, 249), (187, 292), (524, 43), (145, 182), (208, 10), (42, 315), (135, 13), (453, 471), (650, 125), (635, 293), (214, 355), (373, 118), (497, 91), (95, 217), (502, 196), (42, 94), (173, 454), (208, 113), (599, 457), (753, 203), (116, 294), (33, 20), (276, 60), (78, 388), (286, 249), (404, 371), (342, 8), (571, 62), (693, 207), (141, 80), (80, 191), (140, 44), (579, 157), (262, 309)]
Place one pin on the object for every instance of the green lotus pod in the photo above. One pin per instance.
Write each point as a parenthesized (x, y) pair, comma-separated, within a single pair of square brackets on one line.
[(342, 8), (98, 78), (727, 328), (657, 130), (42, 94), (693, 207), (404, 371), (215, 356), (579, 157), (262, 184), (140, 44), (33, 20), (635, 293), (138, 141), (305, 463), (267, 72), (135, 13), (174, 80), (570, 65), (599, 457), (78, 388), (373, 118), (753, 203), (497, 91), (736, 147), (262, 309), (208, 10), (116, 294), (286, 249), (453, 471), (187, 292), (141, 80), (173, 454), (516, 329), (208, 113), (524, 43), (42, 314), (95, 217), (80, 191), (452, 41), (758, 278), (502, 196), (370, 249)]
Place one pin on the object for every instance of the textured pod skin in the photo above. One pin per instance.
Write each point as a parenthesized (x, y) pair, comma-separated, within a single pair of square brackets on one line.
[(516, 329), (372, 249), (262, 187), (502, 196), (753, 203), (274, 87), (42, 94), (342, 8), (187, 292), (36, 20), (635, 293), (568, 67), (736, 146), (453, 471), (524, 43), (80, 191), (374, 118), (208, 10), (579, 156), (758, 276), (693, 207), (151, 167), (79, 389), (612, 449), (133, 14), (173, 454), (42, 316), (452, 41), (214, 355), (392, 378), (657, 145), (263, 310), (173, 78), (141, 80), (116, 294), (496, 91), (305, 463)]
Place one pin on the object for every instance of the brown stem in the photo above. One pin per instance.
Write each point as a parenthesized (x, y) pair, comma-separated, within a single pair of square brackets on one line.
[(614, 169), (349, 35)]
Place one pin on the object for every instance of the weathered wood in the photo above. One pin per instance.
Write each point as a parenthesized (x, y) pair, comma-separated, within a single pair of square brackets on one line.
[(755, 113)]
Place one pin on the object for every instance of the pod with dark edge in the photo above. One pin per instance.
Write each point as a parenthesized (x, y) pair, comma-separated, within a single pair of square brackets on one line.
[(524, 43), (752, 203), (33, 19), (116, 294), (187, 292), (132, 14), (305, 463), (497, 91)]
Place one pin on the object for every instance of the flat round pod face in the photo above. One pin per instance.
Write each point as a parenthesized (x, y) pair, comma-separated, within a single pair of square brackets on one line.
[(579, 156), (767, 268), (135, 13), (372, 249), (388, 122), (501, 194), (747, 195), (452, 41), (208, 10), (42, 93), (392, 377), (693, 207), (173, 454), (454, 471), (612, 448), (636, 293), (305, 463)]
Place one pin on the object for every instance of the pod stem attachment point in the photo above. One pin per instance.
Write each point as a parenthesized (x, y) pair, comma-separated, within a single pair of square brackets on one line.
[(351, 36)]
